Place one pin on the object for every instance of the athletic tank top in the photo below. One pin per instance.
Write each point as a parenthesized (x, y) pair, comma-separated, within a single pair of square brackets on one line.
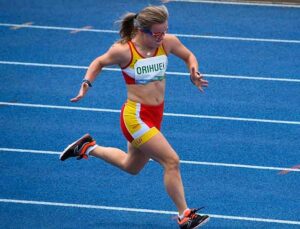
[(143, 70)]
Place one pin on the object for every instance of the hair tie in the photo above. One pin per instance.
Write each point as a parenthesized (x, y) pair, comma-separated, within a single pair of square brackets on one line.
[(135, 21)]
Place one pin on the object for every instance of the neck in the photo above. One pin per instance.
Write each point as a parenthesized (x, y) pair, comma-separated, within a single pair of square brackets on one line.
[(144, 49), (139, 41)]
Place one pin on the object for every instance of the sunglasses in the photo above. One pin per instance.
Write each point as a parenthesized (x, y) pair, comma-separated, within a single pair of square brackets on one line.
[(156, 35)]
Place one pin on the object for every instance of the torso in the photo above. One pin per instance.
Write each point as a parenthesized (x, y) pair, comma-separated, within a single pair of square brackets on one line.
[(145, 80)]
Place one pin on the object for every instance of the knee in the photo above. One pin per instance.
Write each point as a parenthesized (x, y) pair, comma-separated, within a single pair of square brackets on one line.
[(172, 163), (132, 171)]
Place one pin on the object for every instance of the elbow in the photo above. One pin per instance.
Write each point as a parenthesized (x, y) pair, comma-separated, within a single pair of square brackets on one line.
[(96, 66)]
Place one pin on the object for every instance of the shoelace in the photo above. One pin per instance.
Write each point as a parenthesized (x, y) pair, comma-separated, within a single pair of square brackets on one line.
[(191, 215), (80, 156), (83, 149)]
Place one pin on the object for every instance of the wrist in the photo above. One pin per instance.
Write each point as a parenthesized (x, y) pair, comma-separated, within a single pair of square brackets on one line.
[(87, 82), (191, 77)]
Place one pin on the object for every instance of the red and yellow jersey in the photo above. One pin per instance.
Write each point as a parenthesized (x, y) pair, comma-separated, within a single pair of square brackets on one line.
[(143, 70)]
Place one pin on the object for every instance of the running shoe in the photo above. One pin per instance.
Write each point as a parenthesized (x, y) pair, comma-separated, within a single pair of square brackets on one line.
[(192, 220), (78, 148)]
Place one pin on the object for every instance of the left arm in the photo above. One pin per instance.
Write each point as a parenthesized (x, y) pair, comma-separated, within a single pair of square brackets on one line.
[(174, 46)]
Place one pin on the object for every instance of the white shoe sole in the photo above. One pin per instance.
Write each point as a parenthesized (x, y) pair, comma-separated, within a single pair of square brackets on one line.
[(203, 222)]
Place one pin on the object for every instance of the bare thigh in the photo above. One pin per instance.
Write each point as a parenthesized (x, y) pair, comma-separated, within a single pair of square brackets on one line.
[(159, 149), (135, 160)]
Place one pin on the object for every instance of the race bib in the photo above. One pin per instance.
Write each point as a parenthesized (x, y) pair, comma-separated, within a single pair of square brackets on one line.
[(150, 69)]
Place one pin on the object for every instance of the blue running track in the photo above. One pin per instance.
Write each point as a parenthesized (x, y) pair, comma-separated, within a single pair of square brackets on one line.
[(239, 142)]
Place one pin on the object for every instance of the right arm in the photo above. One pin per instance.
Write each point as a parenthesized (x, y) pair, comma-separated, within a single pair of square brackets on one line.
[(116, 55), (174, 46)]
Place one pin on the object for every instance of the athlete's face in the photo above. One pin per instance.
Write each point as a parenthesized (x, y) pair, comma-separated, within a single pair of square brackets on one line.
[(156, 34)]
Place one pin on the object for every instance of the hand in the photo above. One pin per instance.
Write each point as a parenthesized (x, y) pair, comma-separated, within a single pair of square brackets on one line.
[(83, 90), (198, 80)]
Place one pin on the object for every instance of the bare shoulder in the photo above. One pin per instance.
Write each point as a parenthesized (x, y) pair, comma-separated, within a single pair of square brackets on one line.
[(173, 45), (119, 49), (120, 53), (170, 42)]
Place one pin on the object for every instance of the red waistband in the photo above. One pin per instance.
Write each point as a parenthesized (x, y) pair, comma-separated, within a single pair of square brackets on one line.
[(161, 105)]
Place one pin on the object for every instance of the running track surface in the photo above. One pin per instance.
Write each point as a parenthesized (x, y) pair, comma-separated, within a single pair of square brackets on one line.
[(234, 140)]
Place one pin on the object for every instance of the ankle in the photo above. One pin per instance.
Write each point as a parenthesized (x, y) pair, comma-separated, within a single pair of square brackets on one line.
[(91, 148), (182, 215)]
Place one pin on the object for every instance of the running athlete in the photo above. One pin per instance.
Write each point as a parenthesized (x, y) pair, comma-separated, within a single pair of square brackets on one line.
[(142, 54)]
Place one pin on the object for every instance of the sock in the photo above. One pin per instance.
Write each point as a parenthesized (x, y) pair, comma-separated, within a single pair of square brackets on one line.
[(90, 149), (182, 215)]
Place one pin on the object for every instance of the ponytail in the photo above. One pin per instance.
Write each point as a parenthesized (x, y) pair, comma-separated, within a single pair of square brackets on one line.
[(127, 27), (131, 22)]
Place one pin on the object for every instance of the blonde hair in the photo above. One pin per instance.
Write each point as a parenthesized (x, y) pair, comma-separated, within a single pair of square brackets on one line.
[(131, 22)]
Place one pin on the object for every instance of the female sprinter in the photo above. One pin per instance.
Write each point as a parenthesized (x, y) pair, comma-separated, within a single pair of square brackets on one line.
[(142, 54)]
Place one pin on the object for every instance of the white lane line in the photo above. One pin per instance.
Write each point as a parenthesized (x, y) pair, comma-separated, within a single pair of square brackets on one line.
[(170, 73), (59, 28), (251, 39), (165, 114), (30, 151), (43, 65), (204, 163), (81, 29), (141, 210), (246, 3), (20, 27), (233, 118), (252, 78), (239, 166), (238, 38)]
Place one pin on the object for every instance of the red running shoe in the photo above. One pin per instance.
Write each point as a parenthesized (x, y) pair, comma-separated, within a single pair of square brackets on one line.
[(192, 220), (78, 148)]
